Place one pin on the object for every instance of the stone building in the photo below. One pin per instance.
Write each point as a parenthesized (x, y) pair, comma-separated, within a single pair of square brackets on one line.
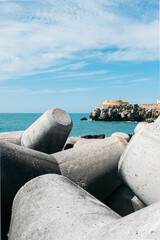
[(115, 102)]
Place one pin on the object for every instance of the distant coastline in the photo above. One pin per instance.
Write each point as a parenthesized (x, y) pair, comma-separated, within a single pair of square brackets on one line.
[(129, 112)]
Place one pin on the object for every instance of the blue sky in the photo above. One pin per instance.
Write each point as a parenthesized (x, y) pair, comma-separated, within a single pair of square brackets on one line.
[(76, 54)]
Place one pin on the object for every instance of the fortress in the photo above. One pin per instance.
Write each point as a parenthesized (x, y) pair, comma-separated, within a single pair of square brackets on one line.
[(120, 102), (115, 102)]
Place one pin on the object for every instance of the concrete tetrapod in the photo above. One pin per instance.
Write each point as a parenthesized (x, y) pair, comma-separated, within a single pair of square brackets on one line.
[(84, 141), (73, 140), (140, 126), (141, 225), (121, 134), (19, 165), (139, 166), (49, 133), (123, 201), (70, 142), (12, 137), (52, 207), (93, 166)]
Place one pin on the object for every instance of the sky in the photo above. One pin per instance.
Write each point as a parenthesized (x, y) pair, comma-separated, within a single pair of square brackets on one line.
[(75, 54)]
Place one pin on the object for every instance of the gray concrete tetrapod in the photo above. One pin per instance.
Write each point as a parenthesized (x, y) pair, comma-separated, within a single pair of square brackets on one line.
[(12, 137), (49, 133), (139, 166), (123, 201), (84, 141), (141, 225), (121, 134), (52, 207), (19, 165), (93, 166), (70, 142)]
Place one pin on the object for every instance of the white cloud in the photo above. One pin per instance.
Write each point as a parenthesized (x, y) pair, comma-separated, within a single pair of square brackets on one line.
[(73, 66), (132, 54), (43, 91), (132, 83), (82, 74), (114, 77), (38, 35)]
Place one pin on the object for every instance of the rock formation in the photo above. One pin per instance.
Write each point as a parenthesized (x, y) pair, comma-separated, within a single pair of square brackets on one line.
[(83, 118), (131, 112)]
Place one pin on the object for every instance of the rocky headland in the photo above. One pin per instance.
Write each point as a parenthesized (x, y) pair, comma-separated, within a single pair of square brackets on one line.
[(130, 112)]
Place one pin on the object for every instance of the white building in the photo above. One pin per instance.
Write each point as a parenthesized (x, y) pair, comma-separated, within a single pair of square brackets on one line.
[(158, 101)]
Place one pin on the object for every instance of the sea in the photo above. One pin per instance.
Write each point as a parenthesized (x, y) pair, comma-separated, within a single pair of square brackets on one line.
[(21, 121)]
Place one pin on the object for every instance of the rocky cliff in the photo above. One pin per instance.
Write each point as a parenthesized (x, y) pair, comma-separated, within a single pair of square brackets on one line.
[(131, 112)]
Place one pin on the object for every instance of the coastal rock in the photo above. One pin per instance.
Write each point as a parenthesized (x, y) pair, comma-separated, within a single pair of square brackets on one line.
[(131, 112), (83, 118), (52, 205), (139, 166), (95, 114), (49, 133)]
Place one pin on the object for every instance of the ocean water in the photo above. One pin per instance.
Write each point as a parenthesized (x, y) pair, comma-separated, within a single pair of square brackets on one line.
[(21, 121)]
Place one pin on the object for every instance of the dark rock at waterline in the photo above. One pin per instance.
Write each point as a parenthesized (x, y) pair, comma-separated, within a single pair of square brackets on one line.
[(83, 118), (100, 136), (71, 141), (131, 112)]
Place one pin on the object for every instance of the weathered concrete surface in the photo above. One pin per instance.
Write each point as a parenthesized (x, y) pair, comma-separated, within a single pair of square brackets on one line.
[(93, 166), (73, 140), (121, 134), (70, 142), (49, 133), (52, 207), (84, 141), (137, 204), (19, 165), (140, 126), (141, 225), (99, 136), (123, 201), (12, 137), (139, 165)]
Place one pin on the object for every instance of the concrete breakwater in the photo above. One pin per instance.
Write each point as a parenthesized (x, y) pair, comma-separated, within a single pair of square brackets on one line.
[(130, 112), (48, 206)]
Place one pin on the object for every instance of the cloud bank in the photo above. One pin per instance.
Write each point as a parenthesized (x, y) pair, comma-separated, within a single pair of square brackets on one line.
[(36, 35)]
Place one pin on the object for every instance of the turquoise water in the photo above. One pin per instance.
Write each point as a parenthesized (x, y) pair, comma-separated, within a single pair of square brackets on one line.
[(21, 121)]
